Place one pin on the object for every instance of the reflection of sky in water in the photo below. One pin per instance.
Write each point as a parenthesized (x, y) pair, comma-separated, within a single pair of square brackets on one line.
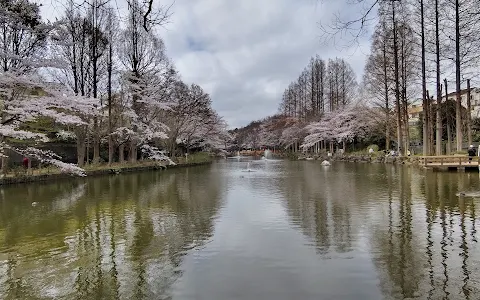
[(257, 253), (286, 230)]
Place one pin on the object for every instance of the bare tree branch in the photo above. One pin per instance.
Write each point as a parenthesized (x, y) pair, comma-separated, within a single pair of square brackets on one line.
[(159, 18), (353, 28)]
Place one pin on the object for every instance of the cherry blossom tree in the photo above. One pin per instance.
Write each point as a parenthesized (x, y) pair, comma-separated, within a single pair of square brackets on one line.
[(148, 76), (212, 133), (274, 133), (191, 119), (154, 153), (24, 92), (342, 126), (293, 135), (20, 107), (123, 79), (220, 138)]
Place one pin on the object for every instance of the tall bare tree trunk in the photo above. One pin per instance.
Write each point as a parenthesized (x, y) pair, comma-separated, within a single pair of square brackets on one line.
[(431, 132), (387, 104), (406, 126), (449, 135), (439, 132), (404, 93), (4, 158), (469, 113), (80, 132), (426, 110), (397, 83), (4, 165), (121, 153), (96, 143), (458, 78), (133, 152), (109, 87), (449, 122), (87, 161), (96, 129)]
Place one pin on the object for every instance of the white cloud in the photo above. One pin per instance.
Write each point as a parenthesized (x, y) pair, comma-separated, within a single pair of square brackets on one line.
[(245, 53)]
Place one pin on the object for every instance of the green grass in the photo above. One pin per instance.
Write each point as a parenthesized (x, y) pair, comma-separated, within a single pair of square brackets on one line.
[(20, 171), (199, 157), (365, 152), (117, 165)]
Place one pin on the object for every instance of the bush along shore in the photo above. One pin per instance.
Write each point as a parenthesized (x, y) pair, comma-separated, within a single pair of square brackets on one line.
[(52, 173)]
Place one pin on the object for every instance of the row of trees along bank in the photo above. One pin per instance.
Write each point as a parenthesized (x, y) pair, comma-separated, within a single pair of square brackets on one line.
[(417, 45), (424, 50), (97, 80), (419, 49), (321, 110)]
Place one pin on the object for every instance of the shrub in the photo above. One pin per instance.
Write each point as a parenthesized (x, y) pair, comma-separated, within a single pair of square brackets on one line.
[(374, 147)]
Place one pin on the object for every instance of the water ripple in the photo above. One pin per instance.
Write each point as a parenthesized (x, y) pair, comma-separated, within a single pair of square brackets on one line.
[(287, 230)]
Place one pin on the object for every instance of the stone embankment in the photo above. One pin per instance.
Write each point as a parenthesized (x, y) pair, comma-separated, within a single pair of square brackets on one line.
[(365, 158)]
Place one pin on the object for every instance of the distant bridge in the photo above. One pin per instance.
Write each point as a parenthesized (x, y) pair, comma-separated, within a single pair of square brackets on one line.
[(450, 161)]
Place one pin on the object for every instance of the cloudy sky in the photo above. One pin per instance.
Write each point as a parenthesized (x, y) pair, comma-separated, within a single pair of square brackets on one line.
[(244, 53)]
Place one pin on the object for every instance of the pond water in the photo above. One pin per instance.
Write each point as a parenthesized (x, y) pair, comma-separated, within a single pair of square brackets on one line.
[(285, 230)]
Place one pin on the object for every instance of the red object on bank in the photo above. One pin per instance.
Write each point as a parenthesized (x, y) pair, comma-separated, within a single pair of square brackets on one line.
[(25, 162)]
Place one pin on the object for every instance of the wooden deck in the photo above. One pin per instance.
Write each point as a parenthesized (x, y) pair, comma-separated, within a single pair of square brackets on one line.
[(450, 161)]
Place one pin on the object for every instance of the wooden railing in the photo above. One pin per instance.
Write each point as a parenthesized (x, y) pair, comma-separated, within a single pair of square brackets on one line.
[(449, 160)]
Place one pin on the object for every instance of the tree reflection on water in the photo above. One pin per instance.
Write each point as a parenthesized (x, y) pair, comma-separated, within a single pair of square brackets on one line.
[(420, 235), (104, 238), (400, 229)]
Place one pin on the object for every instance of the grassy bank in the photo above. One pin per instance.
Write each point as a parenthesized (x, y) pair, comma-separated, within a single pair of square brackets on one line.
[(21, 175), (199, 157)]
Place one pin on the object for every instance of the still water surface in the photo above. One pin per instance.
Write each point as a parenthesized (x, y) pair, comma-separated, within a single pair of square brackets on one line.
[(288, 230)]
